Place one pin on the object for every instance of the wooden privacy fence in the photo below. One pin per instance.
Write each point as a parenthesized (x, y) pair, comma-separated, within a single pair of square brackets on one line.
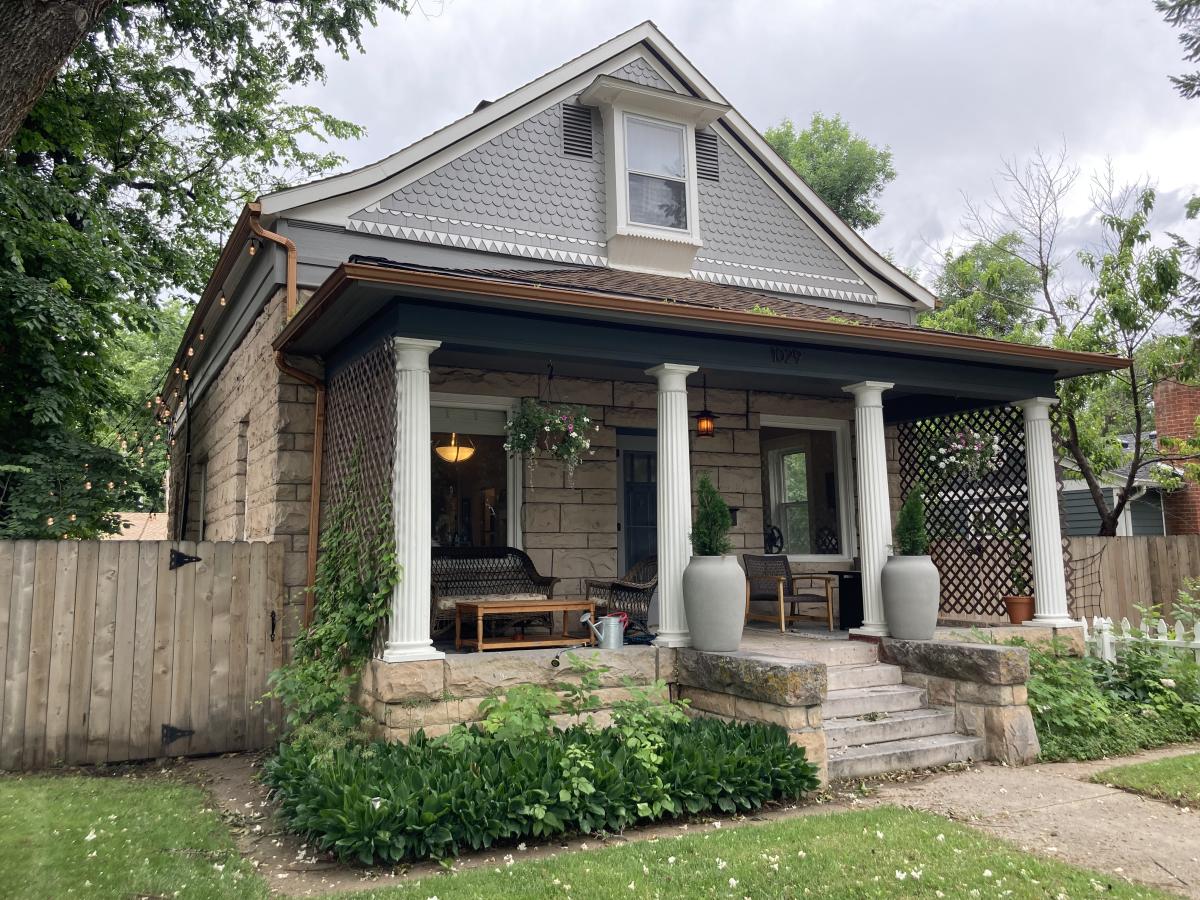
[(1136, 571), (111, 654)]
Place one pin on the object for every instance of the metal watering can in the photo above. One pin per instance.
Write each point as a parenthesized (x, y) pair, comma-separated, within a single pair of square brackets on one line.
[(611, 633)]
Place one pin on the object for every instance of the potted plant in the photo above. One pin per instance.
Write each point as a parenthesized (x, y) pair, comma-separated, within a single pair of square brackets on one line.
[(562, 430), (911, 584), (1019, 604), (713, 583)]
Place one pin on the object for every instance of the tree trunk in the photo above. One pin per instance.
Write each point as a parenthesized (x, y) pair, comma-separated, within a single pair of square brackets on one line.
[(36, 37)]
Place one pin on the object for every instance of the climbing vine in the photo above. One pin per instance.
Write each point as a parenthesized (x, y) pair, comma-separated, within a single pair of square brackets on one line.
[(356, 573)]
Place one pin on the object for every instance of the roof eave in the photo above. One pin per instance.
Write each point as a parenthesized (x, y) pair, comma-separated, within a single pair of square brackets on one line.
[(1063, 363)]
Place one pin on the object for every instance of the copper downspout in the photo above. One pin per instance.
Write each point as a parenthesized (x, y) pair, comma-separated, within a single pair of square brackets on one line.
[(314, 499), (286, 244)]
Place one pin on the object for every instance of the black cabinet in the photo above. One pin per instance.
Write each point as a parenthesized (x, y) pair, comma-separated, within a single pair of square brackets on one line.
[(850, 600)]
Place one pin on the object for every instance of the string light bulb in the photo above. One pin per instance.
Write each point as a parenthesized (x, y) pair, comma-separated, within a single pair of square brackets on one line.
[(221, 300), (49, 520), (191, 351), (87, 485)]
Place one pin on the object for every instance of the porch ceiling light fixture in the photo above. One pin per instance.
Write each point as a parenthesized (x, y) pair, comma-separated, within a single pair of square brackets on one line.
[(454, 452), (706, 419)]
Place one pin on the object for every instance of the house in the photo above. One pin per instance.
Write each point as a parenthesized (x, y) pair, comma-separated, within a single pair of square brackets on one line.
[(612, 234)]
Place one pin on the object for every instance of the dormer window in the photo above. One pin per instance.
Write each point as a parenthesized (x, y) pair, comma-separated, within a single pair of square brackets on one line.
[(657, 172), (650, 173)]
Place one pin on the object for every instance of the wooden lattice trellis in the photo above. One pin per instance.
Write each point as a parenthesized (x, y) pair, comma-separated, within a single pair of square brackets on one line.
[(360, 429), (978, 529)]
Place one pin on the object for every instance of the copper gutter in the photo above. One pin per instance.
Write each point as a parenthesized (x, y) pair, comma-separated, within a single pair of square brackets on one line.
[(314, 497), (286, 244), (494, 288)]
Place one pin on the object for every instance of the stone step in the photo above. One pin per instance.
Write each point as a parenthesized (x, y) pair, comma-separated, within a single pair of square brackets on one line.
[(897, 726), (874, 675), (904, 755), (851, 702), (776, 646)]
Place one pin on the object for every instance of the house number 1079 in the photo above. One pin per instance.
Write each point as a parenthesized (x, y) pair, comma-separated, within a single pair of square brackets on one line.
[(786, 355)]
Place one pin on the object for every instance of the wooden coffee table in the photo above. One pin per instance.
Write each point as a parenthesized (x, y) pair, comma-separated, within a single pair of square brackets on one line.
[(481, 609)]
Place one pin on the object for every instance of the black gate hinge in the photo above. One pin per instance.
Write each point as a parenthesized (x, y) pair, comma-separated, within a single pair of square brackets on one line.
[(170, 733), (179, 558)]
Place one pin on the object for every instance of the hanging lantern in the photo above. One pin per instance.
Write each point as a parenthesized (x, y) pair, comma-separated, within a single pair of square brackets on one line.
[(454, 452), (706, 419)]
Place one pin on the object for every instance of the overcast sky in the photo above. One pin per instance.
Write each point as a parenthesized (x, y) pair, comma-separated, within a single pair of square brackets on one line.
[(950, 86)]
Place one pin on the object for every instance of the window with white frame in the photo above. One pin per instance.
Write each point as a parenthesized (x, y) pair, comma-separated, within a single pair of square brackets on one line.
[(656, 172), (807, 498)]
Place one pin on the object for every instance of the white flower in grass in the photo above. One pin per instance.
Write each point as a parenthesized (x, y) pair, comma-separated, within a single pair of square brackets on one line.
[(941, 839), (91, 835), (987, 873), (733, 882), (630, 885), (900, 876), (670, 860), (879, 835), (376, 802), (721, 864)]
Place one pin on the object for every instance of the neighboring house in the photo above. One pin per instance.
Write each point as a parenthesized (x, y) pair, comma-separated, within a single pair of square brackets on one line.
[(1143, 515), (1177, 415), (616, 223)]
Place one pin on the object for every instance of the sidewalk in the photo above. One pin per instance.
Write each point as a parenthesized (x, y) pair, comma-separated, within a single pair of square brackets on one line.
[(1052, 809)]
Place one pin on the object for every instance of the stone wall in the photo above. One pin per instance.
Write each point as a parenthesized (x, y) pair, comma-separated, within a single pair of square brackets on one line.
[(570, 525), (436, 695), (983, 683), (251, 449)]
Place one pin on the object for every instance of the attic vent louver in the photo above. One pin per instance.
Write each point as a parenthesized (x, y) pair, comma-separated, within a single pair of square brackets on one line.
[(577, 130), (707, 165)]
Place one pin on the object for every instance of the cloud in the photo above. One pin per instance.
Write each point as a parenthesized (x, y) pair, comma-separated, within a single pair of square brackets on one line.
[(951, 87)]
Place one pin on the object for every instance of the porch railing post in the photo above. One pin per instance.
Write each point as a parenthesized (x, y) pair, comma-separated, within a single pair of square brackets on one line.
[(674, 501), (408, 626), (1045, 532), (874, 508)]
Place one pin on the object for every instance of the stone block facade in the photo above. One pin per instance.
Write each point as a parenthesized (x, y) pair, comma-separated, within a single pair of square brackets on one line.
[(251, 457), (569, 524)]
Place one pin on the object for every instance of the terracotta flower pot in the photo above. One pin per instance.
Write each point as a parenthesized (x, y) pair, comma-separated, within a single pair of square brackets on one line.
[(1020, 609)]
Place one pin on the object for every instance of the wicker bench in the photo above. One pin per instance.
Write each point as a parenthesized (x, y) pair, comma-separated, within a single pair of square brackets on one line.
[(484, 573)]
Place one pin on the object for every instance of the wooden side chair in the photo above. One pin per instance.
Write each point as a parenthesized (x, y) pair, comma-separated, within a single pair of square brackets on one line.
[(771, 578)]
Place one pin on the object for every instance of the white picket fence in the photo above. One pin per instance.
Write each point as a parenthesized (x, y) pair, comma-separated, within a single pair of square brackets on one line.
[(1103, 638)]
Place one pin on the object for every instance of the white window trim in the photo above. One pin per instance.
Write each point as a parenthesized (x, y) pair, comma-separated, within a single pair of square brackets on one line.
[(619, 222), (689, 176), (848, 536), (516, 472)]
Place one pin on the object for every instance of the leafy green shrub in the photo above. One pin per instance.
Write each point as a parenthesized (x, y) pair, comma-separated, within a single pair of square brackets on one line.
[(710, 531), (910, 537), (440, 797), (1088, 708)]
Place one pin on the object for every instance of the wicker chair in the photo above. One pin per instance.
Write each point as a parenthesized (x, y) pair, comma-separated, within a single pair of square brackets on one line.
[(459, 573), (770, 578), (629, 594)]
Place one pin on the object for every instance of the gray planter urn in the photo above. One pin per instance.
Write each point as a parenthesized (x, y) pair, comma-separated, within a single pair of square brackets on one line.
[(911, 592), (714, 600)]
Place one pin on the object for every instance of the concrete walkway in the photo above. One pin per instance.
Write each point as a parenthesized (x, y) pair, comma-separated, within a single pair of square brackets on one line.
[(1054, 810)]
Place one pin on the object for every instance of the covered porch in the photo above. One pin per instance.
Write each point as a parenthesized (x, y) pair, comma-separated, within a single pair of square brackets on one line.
[(805, 447)]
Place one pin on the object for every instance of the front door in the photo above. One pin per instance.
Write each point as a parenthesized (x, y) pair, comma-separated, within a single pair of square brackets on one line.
[(639, 501)]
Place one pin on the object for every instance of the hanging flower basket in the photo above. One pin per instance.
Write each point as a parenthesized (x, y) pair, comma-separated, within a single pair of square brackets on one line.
[(968, 453), (561, 430)]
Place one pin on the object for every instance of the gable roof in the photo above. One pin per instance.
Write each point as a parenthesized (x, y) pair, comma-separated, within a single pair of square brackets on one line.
[(335, 200)]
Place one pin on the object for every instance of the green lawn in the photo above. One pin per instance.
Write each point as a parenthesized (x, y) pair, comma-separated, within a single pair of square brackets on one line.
[(887, 852), (1176, 778), (71, 836), (125, 837)]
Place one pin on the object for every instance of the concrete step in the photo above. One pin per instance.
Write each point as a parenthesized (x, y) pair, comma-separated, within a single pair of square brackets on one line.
[(875, 675), (852, 702), (897, 726), (904, 755)]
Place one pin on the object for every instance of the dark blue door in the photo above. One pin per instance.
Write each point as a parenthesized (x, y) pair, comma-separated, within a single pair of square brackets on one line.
[(639, 478)]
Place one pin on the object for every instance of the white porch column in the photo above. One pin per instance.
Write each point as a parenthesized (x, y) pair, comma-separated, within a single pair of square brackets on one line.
[(408, 625), (674, 501), (874, 510), (1045, 533)]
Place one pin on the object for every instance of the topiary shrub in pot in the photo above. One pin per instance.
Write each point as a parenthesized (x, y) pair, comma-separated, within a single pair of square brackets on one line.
[(911, 584), (714, 592)]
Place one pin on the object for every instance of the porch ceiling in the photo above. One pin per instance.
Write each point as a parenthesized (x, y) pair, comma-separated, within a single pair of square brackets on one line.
[(595, 334)]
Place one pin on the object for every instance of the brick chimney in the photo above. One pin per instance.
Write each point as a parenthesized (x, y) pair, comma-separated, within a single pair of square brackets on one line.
[(1176, 408)]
